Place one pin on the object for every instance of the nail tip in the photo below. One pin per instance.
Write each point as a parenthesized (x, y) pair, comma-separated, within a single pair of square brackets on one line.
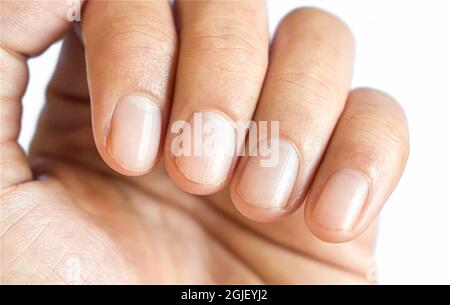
[(203, 168)]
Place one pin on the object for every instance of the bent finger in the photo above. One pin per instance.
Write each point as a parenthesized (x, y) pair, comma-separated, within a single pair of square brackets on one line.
[(362, 166), (130, 57)]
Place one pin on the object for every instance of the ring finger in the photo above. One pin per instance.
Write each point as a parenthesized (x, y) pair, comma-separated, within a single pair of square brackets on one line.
[(305, 91), (222, 63)]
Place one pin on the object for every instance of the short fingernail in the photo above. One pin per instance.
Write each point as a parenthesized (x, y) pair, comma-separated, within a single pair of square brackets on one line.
[(341, 201), (135, 132), (270, 186), (212, 147)]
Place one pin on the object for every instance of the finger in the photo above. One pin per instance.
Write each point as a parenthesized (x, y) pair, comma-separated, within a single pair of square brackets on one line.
[(304, 91), (27, 28), (130, 56), (222, 63), (362, 166)]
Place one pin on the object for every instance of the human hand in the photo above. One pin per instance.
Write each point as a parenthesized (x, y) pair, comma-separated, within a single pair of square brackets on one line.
[(92, 204)]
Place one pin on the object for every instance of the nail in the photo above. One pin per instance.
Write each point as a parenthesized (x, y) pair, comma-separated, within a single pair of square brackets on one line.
[(341, 201), (270, 186), (135, 132), (213, 142)]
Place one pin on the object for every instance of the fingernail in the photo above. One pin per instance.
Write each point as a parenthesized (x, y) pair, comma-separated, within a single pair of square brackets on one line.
[(213, 143), (341, 201), (135, 132), (270, 186)]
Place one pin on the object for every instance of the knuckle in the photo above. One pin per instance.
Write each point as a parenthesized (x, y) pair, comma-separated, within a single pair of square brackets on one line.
[(324, 29), (315, 16), (301, 13), (144, 36), (228, 38), (363, 155), (380, 124), (132, 26), (316, 85)]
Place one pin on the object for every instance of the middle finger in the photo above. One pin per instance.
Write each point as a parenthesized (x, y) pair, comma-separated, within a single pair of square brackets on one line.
[(222, 63), (305, 91)]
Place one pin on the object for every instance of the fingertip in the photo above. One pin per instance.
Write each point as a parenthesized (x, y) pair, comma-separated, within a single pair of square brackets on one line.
[(135, 132), (362, 165), (254, 212), (130, 83), (200, 152), (128, 139), (324, 232), (185, 183), (257, 211)]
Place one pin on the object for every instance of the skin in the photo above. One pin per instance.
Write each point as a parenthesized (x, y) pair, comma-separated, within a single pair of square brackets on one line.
[(71, 213)]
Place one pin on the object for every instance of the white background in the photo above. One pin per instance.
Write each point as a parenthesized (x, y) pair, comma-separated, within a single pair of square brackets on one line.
[(403, 48)]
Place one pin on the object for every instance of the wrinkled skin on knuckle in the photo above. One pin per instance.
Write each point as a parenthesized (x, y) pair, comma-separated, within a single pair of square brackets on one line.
[(383, 122), (375, 135), (313, 84), (227, 44)]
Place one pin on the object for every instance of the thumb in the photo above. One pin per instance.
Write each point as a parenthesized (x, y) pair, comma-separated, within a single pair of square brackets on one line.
[(26, 28)]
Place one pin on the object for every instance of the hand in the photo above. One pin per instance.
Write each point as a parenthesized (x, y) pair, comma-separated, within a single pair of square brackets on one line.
[(83, 207)]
